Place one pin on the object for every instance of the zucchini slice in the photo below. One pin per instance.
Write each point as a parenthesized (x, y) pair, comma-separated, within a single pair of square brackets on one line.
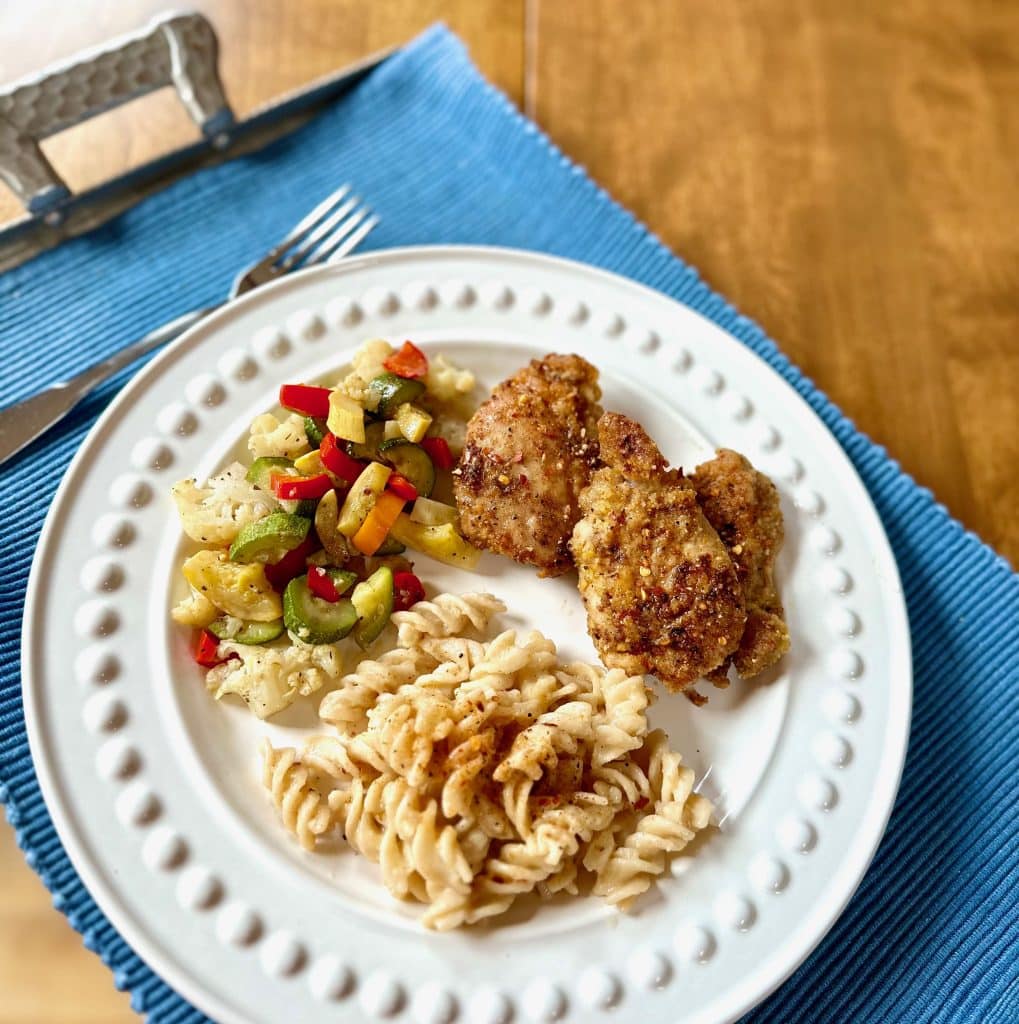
[(313, 620), (410, 460), (373, 600), (390, 547), (260, 474), (269, 539), (242, 631), (315, 429), (261, 470), (368, 450), (343, 579), (393, 391), (361, 497)]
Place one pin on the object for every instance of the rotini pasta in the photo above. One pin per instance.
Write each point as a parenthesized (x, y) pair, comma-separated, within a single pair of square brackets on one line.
[(474, 772), (448, 615), (303, 809)]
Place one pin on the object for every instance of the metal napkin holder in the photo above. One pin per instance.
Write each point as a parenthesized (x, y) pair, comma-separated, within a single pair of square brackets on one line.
[(178, 49)]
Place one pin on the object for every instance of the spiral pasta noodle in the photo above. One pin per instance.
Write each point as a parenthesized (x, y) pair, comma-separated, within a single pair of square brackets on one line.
[(447, 615), (475, 772), (303, 809)]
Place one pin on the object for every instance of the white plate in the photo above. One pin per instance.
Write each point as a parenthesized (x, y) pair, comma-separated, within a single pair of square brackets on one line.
[(153, 787)]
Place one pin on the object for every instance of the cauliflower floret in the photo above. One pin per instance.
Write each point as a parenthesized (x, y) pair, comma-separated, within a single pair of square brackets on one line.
[(216, 513), (445, 381), (195, 610), (270, 436), (367, 363), (269, 679), (235, 588)]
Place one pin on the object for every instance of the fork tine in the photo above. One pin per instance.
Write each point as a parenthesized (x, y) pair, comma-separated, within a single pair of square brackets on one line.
[(310, 221), (353, 241), (321, 231), (337, 237)]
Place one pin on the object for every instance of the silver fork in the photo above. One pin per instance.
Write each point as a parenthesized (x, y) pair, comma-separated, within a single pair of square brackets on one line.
[(331, 231)]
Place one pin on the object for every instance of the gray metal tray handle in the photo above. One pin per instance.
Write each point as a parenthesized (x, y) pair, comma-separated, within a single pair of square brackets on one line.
[(176, 49)]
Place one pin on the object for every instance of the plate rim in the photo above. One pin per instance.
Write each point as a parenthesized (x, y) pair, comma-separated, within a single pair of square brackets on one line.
[(62, 816)]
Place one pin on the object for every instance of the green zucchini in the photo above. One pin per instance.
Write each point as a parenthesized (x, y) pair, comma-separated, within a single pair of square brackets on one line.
[(393, 391), (241, 631), (343, 579), (373, 601), (315, 429), (305, 508), (410, 460), (390, 547), (313, 620), (260, 474), (374, 434), (269, 539), (261, 470)]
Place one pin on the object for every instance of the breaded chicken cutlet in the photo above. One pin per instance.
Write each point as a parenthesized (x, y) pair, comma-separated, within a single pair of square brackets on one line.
[(660, 588), (742, 505), (530, 450)]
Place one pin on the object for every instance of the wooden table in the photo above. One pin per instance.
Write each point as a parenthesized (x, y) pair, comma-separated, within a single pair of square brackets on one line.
[(845, 173)]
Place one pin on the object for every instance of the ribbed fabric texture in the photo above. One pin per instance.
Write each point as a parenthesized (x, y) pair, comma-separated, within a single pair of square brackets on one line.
[(933, 933)]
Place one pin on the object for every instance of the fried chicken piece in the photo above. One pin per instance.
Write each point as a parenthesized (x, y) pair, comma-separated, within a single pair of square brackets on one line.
[(661, 591), (742, 505), (530, 450)]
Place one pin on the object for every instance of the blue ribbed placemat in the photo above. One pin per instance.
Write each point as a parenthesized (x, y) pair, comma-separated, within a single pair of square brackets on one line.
[(933, 933)]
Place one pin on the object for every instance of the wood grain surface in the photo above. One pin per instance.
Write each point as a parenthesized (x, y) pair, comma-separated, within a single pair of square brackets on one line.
[(845, 173)]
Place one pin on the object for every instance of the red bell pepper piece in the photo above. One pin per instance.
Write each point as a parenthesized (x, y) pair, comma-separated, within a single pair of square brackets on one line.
[(206, 652), (280, 573), (407, 591), (438, 452), (321, 585), (306, 399), (298, 488), (337, 461), (401, 487), (410, 361)]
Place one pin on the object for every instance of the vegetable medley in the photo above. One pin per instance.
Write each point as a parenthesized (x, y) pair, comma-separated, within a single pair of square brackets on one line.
[(305, 547)]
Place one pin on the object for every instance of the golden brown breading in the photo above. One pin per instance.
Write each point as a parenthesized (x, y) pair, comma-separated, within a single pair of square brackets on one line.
[(660, 588), (742, 505), (529, 452)]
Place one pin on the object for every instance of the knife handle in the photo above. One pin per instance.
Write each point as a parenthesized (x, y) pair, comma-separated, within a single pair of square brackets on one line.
[(22, 423)]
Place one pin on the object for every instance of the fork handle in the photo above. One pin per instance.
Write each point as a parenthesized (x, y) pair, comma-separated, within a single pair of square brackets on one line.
[(22, 423)]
